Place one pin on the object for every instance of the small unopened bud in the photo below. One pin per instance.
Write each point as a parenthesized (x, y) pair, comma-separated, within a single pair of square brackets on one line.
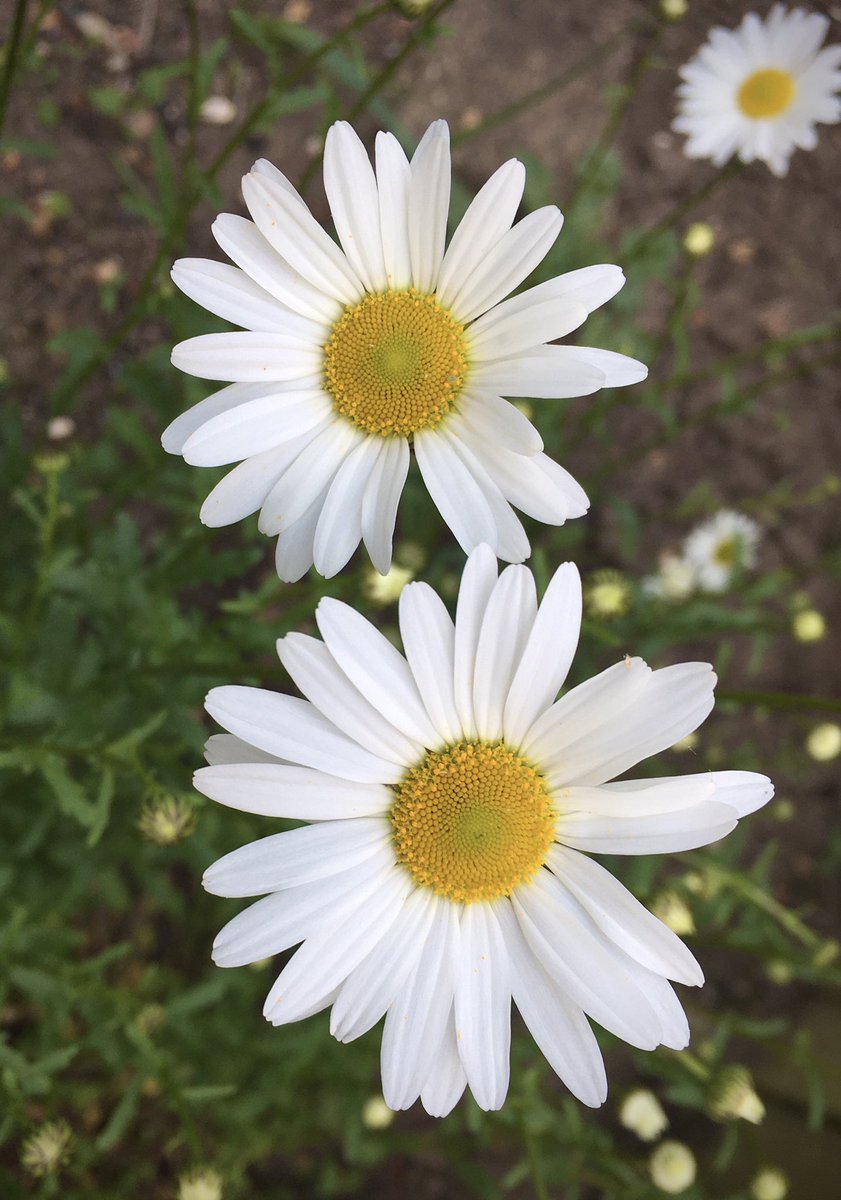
[(607, 595), (672, 1167), (376, 1114), (808, 625), (699, 239), (203, 1184), (47, 1150), (60, 428), (643, 1114), (824, 742), (673, 10), (167, 820), (769, 1184), (732, 1096)]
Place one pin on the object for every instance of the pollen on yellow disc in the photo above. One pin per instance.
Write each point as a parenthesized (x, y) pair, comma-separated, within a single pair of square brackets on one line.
[(472, 821), (766, 93), (395, 362)]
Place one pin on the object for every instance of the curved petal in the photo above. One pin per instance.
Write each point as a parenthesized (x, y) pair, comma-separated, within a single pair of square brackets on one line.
[(454, 491), (588, 287), (293, 729), (658, 833), (309, 475), (482, 414), (290, 792), (428, 636), (743, 791), (429, 205), (354, 202), (535, 484), (446, 1082), (339, 527), (231, 294), (520, 332), (382, 496), (244, 489), (543, 373), (319, 677), (545, 659), (393, 178), (247, 357), (477, 583), (506, 626), (488, 218), (482, 1005), (512, 544), (259, 425)]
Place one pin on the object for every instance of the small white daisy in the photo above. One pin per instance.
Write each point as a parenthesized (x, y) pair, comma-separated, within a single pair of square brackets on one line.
[(675, 579), (353, 354), (451, 798), (758, 91), (720, 548)]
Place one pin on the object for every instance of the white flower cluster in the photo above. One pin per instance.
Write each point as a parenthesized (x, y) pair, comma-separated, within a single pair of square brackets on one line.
[(713, 556)]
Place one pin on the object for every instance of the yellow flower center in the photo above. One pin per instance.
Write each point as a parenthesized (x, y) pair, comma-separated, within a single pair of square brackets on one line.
[(726, 552), (766, 93), (472, 821), (395, 363)]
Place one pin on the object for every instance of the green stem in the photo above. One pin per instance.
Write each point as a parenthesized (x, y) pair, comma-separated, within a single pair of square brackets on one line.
[(379, 81), (761, 899), (503, 115), (782, 701), (10, 58), (595, 159), (194, 99), (686, 206), (533, 1160)]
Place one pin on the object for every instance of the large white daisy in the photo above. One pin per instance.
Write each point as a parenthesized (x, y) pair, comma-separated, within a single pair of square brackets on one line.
[(350, 355), (453, 806), (758, 91)]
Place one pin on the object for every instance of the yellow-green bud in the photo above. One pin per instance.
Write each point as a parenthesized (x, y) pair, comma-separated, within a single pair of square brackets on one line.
[(672, 1167), (699, 239), (769, 1184), (167, 820), (607, 595), (824, 742), (47, 1150), (643, 1114), (386, 589), (203, 1184), (376, 1114), (732, 1096)]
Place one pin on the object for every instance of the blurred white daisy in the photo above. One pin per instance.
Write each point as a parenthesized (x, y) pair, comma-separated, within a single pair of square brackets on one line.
[(351, 354), (454, 805), (758, 91), (721, 548), (675, 579)]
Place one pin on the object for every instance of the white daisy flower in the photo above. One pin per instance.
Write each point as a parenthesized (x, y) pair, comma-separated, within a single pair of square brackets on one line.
[(758, 91), (675, 579), (351, 354), (721, 547), (453, 806)]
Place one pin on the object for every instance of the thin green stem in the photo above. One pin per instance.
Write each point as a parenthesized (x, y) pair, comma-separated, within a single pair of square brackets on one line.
[(640, 63), (380, 80), (761, 899), (682, 209), (533, 1160), (782, 701), (10, 58), (191, 16), (546, 90)]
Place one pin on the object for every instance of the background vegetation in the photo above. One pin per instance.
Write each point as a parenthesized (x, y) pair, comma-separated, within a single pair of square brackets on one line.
[(127, 1060)]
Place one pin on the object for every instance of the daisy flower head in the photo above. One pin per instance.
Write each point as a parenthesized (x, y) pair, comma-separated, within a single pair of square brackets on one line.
[(453, 808), (720, 548), (758, 91), (351, 353)]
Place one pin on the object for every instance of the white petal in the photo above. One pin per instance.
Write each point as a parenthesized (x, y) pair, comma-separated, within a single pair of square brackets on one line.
[(454, 491), (352, 194), (296, 235), (743, 791), (507, 263), (259, 425), (535, 484), (446, 1081), (329, 954), (339, 526), (520, 332), (580, 963), (558, 1026), (318, 676), (245, 245), (369, 990), (307, 476), (294, 547), (544, 373), (247, 357), (429, 205), (393, 178), (506, 626), (186, 423), (418, 1019), (232, 295), (622, 918), (382, 496), (637, 798), (284, 860), (376, 668), (286, 918), (659, 833), (292, 793), (244, 489), (293, 729), (428, 636), (482, 1005), (269, 171), (495, 420), (586, 288), (489, 216), (605, 726), (223, 748), (545, 659), (618, 369), (477, 584)]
